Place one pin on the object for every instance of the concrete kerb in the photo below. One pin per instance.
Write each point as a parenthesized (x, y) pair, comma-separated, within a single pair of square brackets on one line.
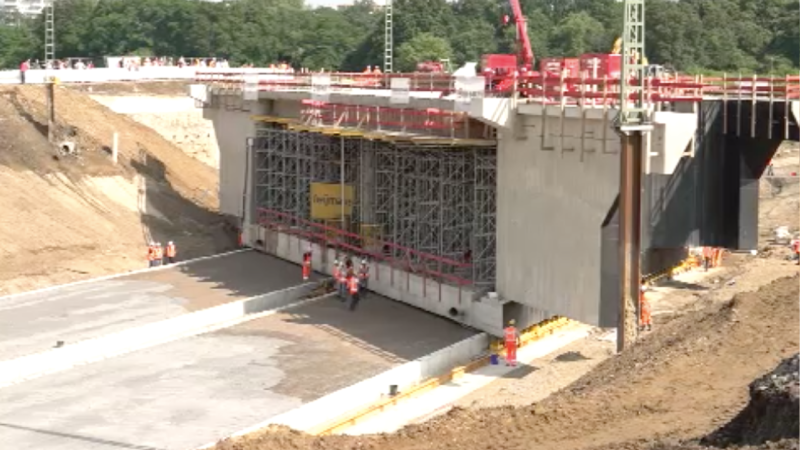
[(124, 274), (91, 350), (342, 402)]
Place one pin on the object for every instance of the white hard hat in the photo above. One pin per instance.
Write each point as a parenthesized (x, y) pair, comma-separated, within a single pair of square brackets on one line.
[(169, 243), (644, 288)]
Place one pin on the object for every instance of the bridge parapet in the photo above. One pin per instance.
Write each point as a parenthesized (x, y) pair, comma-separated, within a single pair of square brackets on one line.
[(538, 87)]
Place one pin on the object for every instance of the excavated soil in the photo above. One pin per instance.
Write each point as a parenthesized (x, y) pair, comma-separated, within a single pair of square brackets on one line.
[(72, 216), (773, 413), (681, 382)]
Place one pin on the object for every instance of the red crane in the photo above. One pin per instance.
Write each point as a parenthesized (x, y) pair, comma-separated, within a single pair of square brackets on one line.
[(524, 49), (500, 69)]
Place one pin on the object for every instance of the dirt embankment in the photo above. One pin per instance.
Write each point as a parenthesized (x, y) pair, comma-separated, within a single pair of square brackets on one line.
[(681, 382), (67, 217)]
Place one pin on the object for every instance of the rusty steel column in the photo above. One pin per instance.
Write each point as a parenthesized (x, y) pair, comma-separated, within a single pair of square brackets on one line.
[(630, 185)]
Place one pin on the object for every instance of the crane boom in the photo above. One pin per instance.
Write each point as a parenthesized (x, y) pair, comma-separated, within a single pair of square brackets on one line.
[(524, 50)]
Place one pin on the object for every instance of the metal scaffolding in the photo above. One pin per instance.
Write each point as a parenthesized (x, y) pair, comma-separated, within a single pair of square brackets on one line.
[(440, 200)]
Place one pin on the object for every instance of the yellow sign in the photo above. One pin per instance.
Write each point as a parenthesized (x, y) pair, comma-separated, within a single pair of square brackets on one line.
[(326, 200)]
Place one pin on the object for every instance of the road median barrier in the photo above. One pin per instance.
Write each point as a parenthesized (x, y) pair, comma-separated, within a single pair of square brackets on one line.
[(191, 324)]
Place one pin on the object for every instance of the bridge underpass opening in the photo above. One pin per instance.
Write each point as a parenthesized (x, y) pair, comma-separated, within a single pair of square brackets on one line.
[(437, 200)]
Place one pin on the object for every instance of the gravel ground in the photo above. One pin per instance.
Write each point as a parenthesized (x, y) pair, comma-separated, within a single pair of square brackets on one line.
[(687, 292)]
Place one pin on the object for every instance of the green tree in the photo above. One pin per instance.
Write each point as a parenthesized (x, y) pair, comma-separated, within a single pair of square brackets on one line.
[(422, 47), (579, 33)]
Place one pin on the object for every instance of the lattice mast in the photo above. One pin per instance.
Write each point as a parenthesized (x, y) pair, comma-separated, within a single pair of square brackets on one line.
[(388, 42), (633, 67), (633, 124), (49, 34)]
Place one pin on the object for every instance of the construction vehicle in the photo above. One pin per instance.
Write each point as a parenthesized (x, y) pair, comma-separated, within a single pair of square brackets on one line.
[(441, 66), (501, 70)]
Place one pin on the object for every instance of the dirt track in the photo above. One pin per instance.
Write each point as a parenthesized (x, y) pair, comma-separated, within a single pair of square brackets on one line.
[(681, 382)]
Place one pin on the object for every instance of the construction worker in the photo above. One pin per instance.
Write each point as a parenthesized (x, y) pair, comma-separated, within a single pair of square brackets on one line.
[(352, 290), (337, 274), (796, 249), (159, 254), (717, 257), (151, 254), (645, 320), (307, 265), (363, 273), (512, 341), (171, 252), (708, 253)]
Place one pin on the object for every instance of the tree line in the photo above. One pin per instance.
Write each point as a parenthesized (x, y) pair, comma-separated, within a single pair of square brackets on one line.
[(691, 35)]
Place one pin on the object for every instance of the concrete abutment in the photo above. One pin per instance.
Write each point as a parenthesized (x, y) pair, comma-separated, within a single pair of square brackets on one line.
[(555, 188)]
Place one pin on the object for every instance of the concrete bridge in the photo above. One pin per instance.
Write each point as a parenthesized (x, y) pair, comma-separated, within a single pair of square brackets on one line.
[(483, 206)]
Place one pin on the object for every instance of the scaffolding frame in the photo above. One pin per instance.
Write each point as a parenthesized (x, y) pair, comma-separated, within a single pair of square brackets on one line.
[(436, 200)]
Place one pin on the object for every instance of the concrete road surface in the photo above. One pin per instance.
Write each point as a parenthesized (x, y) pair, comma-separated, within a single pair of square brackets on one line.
[(31, 323), (190, 392)]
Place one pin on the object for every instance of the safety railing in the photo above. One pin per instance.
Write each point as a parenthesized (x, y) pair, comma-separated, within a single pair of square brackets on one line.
[(541, 86), (433, 121), (339, 81), (400, 259)]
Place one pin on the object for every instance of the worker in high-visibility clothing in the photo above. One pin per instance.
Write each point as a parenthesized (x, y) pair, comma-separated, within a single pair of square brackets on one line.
[(151, 254), (645, 319), (336, 271), (796, 250), (171, 252), (363, 273), (307, 265), (512, 342), (717, 257), (159, 254), (708, 254), (352, 291)]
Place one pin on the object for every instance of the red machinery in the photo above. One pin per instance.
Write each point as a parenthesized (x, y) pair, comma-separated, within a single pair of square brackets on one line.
[(501, 69), (430, 66), (554, 67)]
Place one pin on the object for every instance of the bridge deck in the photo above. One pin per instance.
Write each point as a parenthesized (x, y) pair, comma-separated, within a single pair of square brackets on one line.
[(34, 322), (190, 392)]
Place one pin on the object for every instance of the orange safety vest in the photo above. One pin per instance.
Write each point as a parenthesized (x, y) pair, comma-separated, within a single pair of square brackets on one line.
[(796, 246), (352, 285), (171, 251), (336, 272), (151, 253), (159, 253), (364, 272), (708, 252), (510, 335)]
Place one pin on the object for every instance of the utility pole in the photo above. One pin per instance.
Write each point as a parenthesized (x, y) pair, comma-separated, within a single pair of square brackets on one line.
[(633, 123), (388, 38), (49, 58)]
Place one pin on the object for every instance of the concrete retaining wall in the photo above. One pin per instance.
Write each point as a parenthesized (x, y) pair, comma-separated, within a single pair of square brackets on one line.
[(91, 350), (415, 290), (367, 392), (177, 119)]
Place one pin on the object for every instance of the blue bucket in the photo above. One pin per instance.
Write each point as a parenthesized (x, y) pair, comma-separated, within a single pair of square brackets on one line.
[(494, 360)]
